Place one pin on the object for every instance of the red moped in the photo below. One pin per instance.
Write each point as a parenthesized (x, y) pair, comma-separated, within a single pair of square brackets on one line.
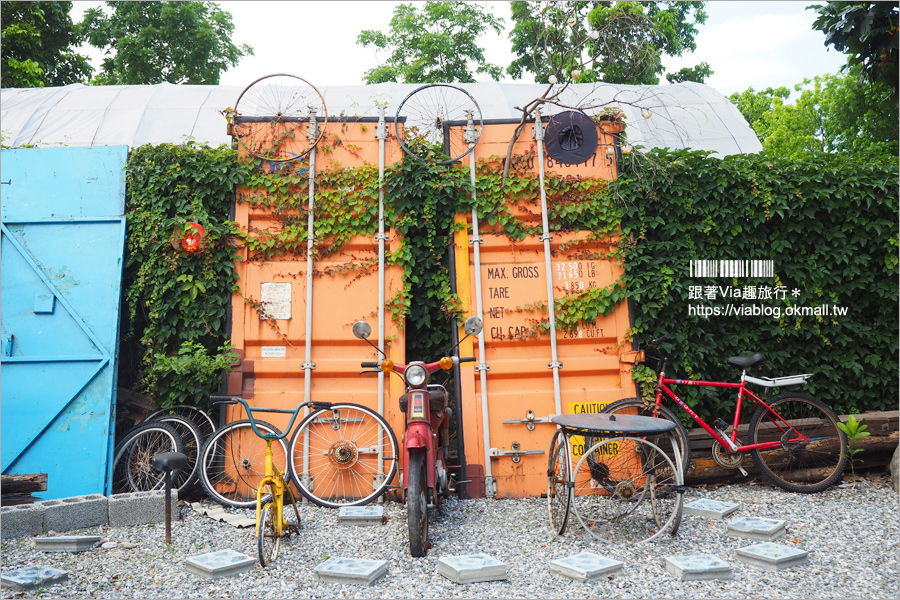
[(425, 479)]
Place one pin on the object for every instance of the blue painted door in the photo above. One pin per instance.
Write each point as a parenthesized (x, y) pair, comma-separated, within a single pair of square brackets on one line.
[(63, 233)]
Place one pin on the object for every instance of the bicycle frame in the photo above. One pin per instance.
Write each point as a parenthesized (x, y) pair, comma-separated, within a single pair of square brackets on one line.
[(275, 482), (783, 425)]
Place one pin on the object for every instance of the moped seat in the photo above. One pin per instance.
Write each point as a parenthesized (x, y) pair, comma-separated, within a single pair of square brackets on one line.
[(437, 400), (751, 361)]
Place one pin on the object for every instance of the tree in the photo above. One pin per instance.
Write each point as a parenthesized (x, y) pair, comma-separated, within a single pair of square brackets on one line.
[(37, 40), (437, 42), (833, 114), (152, 42), (618, 42), (753, 105), (867, 33), (697, 74)]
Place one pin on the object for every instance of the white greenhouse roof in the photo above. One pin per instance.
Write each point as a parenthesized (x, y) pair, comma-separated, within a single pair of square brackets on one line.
[(686, 115)]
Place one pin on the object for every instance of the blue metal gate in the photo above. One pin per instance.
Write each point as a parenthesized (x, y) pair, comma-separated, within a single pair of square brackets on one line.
[(63, 233)]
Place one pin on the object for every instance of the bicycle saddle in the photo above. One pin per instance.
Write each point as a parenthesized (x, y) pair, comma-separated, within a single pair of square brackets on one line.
[(750, 361)]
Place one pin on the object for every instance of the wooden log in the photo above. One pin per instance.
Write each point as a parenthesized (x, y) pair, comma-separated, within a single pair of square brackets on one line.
[(23, 484), (15, 499), (876, 452)]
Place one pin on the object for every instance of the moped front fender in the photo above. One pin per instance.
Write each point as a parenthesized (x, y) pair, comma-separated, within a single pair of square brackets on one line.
[(419, 438)]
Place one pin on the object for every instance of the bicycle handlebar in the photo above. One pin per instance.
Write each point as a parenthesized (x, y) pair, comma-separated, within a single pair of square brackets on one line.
[(655, 343), (249, 409)]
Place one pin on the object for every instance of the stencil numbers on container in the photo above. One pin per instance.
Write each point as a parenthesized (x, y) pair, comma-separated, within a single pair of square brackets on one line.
[(515, 296)]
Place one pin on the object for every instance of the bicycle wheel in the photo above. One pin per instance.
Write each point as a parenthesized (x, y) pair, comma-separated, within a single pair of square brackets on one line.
[(132, 470), (267, 539), (559, 494), (198, 417), (425, 114), (192, 441), (272, 115), (345, 455), (636, 406), (618, 496), (799, 466), (233, 462)]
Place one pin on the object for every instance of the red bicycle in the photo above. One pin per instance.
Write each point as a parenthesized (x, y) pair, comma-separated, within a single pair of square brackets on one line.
[(793, 438)]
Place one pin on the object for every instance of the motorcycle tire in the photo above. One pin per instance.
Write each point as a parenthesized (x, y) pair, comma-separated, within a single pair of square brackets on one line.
[(417, 505)]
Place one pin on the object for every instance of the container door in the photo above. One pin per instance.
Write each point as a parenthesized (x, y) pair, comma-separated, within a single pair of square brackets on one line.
[(63, 233)]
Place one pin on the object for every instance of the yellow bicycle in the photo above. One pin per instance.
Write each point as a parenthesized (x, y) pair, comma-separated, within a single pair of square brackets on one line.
[(271, 525), (341, 454)]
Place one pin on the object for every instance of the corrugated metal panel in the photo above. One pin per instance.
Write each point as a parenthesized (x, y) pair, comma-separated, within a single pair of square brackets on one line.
[(520, 383)]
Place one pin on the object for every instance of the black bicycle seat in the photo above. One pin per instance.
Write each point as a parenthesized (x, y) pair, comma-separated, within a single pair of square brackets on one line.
[(751, 361)]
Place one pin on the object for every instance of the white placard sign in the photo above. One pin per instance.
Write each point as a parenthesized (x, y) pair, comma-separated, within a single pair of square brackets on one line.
[(274, 351), (276, 299)]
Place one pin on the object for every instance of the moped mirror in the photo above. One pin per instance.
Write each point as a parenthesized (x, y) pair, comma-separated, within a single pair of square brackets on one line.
[(473, 325), (362, 330)]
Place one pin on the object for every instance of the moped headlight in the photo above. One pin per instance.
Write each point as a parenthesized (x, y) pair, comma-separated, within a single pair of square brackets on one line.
[(415, 375)]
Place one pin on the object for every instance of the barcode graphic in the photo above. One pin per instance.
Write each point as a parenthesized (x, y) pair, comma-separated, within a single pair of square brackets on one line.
[(732, 268)]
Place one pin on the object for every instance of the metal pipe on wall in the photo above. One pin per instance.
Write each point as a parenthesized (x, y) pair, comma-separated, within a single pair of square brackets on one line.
[(308, 365), (490, 486), (546, 238)]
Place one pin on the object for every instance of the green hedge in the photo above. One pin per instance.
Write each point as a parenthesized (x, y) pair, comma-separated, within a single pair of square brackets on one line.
[(829, 226), (175, 340)]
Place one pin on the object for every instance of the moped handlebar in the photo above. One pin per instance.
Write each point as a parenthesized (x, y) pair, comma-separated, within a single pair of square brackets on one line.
[(369, 365), (467, 359)]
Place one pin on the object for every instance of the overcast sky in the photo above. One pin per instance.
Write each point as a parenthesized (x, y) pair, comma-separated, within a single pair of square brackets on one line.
[(750, 43)]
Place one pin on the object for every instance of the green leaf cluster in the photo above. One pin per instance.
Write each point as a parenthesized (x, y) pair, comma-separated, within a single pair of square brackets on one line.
[(867, 33), (175, 330), (832, 114), (38, 40), (433, 41), (155, 42), (829, 224)]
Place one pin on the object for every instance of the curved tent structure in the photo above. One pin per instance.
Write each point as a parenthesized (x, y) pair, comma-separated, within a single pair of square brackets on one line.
[(686, 115)]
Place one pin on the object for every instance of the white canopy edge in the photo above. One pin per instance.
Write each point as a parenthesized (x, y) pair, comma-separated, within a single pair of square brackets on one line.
[(685, 115)]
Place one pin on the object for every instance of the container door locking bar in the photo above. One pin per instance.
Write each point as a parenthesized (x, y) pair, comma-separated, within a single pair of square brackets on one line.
[(516, 453), (530, 420)]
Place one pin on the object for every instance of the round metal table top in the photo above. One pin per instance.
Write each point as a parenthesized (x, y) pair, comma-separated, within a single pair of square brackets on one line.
[(597, 423)]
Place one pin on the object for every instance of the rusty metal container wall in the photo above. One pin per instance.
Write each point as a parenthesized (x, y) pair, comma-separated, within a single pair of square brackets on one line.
[(270, 372), (519, 382)]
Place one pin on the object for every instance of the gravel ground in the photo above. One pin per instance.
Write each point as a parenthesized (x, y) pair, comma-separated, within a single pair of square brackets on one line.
[(850, 531)]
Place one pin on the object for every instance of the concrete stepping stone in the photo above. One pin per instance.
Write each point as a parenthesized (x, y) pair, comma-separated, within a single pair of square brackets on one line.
[(711, 509), (361, 515), (756, 528), (354, 571), (32, 578), (772, 557), (65, 543), (698, 567), (222, 563), (471, 568), (586, 566)]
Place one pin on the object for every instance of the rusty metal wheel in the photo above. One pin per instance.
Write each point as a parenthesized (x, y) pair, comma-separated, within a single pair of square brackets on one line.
[(273, 115), (432, 123)]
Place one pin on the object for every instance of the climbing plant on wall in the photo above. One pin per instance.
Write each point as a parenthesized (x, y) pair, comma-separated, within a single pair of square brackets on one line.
[(828, 225), (175, 341)]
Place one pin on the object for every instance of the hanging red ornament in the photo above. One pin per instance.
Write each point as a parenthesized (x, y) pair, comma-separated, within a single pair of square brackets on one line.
[(193, 238)]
